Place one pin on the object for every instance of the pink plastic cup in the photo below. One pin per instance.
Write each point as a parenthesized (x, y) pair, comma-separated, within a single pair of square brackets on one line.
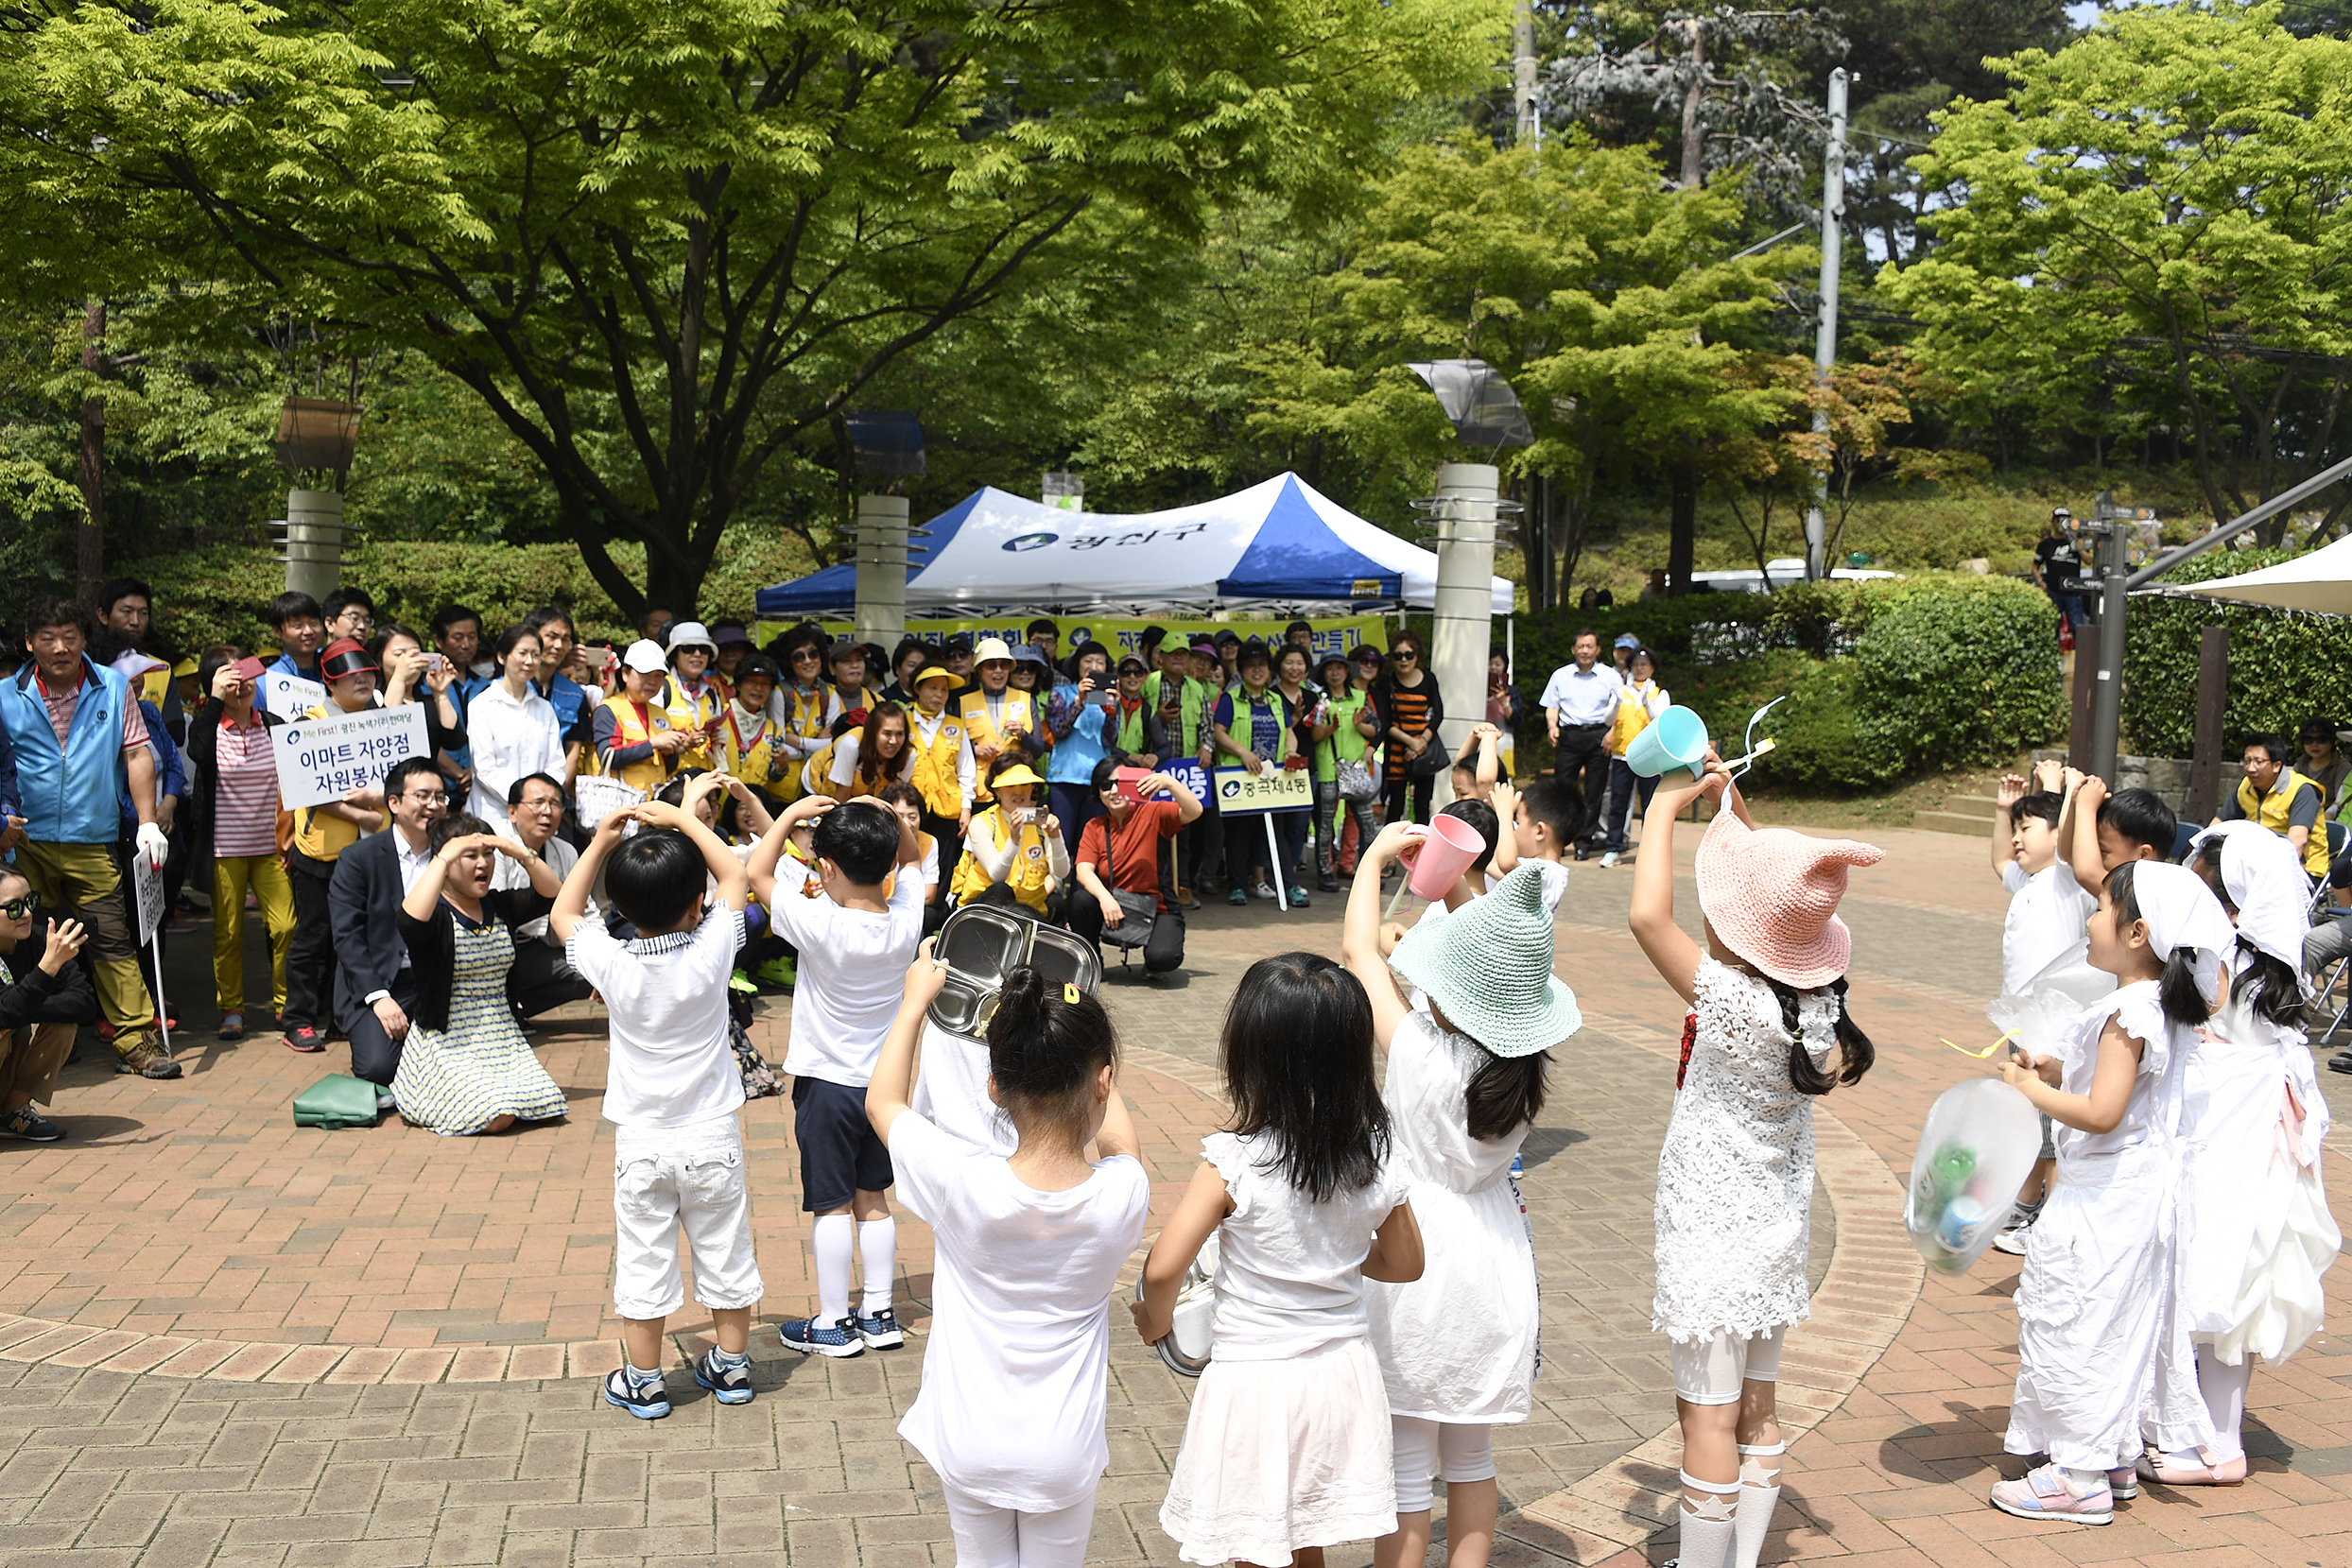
[(1446, 849)]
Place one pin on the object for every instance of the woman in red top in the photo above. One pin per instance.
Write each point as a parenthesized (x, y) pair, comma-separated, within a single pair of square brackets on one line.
[(1125, 849)]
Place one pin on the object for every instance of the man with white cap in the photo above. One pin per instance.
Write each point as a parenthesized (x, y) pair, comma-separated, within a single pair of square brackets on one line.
[(695, 701), (636, 741)]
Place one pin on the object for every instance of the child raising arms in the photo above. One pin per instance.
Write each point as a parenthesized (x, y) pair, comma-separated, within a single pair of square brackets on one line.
[(1010, 1415), (1286, 1449), (2095, 1305), (1736, 1172)]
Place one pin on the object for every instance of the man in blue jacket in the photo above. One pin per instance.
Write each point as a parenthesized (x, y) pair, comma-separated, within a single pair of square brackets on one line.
[(81, 746)]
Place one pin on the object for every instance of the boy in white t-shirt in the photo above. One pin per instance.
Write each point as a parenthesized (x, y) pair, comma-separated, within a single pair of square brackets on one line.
[(854, 944), (671, 1090), (2048, 920)]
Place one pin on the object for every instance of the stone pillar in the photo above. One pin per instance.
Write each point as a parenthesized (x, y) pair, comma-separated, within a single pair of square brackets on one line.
[(1463, 624), (314, 543), (881, 569)]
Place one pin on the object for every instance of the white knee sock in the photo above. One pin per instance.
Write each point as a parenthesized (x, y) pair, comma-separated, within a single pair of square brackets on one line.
[(877, 1244), (1759, 1494), (834, 1240), (1709, 1529), (2224, 1390)]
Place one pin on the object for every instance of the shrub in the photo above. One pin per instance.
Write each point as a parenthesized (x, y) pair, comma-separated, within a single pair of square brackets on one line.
[(2284, 667)]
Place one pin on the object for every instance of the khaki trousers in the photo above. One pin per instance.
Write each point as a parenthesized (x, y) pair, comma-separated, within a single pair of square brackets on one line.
[(80, 880)]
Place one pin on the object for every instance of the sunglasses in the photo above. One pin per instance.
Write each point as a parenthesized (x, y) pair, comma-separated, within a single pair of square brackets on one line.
[(1404, 653), (17, 908)]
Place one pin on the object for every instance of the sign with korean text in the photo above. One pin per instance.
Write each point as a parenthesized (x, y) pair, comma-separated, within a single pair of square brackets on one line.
[(289, 696), (1242, 793), (1121, 634), (323, 759), (1189, 772)]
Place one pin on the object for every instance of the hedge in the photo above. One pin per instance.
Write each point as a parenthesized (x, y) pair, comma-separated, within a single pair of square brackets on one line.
[(1883, 679), (2284, 667)]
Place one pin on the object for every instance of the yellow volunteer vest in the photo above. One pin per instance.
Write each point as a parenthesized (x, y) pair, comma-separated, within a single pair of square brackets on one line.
[(1028, 874), (933, 770), (1020, 707), (2271, 811), (692, 713), (750, 750), (629, 729)]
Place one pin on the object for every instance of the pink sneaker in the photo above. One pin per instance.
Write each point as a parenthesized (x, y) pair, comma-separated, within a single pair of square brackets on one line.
[(2157, 1467), (2123, 1483), (2043, 1494)]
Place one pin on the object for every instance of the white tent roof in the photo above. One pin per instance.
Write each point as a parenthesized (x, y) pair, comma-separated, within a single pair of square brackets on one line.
[(2321, 582), (1279, 541)]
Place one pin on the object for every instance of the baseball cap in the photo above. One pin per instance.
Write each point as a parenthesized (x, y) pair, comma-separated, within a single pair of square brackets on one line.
[(728, 634), (1626, 639), (645, 657), (1132, 663)]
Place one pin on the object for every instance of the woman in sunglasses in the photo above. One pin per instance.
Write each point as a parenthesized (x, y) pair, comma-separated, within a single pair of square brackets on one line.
[(41, 1005), (1406, 696)]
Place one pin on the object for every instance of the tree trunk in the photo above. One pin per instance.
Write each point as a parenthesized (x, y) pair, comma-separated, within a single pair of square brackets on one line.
[(1694, 134), (1522, 72), (1682, 548), (90, 537)]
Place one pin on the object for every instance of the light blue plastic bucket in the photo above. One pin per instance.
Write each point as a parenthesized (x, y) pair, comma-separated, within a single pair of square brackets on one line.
[(1677, 738)]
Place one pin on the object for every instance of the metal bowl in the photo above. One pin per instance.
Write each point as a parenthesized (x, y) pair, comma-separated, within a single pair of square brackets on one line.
[(1189, 1346)]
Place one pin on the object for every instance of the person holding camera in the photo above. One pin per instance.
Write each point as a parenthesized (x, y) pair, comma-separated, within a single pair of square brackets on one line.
[(1077, 716), (1013, 851), (1122, 879)]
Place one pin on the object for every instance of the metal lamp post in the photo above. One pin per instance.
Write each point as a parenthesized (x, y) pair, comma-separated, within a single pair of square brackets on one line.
[(320, 433)]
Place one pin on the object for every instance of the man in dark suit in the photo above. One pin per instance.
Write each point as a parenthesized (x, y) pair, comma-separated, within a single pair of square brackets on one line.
[(373, 992)]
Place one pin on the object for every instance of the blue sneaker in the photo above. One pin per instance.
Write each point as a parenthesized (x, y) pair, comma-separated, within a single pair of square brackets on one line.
[(1518, 1169), (880, 1332), (729, 1385), (1238, 897), (802, 1335), (645, 1400)]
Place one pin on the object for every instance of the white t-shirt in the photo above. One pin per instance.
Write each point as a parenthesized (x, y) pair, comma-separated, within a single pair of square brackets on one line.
[(852, 972), (2048, 917), (1290, 1272), (671, 1063), (951, 1093), (1019, 1352)]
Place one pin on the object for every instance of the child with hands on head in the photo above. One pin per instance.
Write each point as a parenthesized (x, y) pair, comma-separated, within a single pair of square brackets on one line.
[(1287, 1446), (1029, 1244), (672, 1089), (2102, 1354), (1768, 1032), (1465, 1079)]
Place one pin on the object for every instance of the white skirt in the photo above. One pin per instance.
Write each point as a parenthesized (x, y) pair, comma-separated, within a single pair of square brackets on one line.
[(1281, 1454), (2280, 1301)]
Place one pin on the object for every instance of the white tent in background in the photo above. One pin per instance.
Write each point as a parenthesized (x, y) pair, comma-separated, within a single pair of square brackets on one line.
[(2320, 583)]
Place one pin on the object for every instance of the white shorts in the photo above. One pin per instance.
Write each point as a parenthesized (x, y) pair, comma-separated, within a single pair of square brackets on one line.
[(991, 1537), (1711, 1370), (1460, 1450), (669, 1178)]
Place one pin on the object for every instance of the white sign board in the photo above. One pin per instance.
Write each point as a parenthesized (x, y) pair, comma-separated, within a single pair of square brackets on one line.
[(1240, 793), (290, 696), (595, 797), (323, 759), (147, 882)]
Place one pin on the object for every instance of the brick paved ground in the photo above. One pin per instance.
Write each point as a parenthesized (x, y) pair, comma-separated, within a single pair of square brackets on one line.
[(202, 1216)]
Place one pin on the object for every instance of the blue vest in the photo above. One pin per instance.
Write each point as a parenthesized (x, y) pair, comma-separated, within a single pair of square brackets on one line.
[(74, 798)]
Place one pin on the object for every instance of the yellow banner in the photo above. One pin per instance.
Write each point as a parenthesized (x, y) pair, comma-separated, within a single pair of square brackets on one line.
[(1337, 635)]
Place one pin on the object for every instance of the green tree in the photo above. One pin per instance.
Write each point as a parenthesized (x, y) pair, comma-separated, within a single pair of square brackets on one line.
[(2160, 207), (668, 245)]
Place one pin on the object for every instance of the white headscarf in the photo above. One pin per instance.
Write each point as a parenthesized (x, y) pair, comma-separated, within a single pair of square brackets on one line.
[(2182, 912), (2265, 879)]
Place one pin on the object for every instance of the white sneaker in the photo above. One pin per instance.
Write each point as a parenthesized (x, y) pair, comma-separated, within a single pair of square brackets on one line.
[(1264, 889), (1610, 859), (2013, 1241)]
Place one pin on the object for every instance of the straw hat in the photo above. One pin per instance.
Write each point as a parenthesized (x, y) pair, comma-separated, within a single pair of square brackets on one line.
[(992, 647), (1772, 895), (1487, 966)]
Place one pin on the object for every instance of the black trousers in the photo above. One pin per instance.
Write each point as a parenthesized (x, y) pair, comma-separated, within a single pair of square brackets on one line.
[(1585, 748), (310, 956), (374, 1055), (942, 831), (541, 979), (1162, 951)]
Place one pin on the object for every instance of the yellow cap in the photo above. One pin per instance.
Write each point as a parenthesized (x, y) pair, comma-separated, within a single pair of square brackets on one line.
[(185, 666), (1019, 773)]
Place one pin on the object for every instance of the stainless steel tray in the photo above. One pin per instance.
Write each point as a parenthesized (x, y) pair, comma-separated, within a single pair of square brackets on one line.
[(982, 943)]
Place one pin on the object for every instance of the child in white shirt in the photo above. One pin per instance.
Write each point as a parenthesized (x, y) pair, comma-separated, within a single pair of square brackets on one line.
[(853, 944), (1029, 1247), (672, 1089)]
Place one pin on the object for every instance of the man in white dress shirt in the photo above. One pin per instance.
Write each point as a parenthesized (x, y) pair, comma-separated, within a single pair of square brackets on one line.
[(541, 978), (1580, 704)]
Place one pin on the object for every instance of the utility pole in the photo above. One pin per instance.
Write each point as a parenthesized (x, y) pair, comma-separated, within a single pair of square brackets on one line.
[(1528, 127), (1826, 334)]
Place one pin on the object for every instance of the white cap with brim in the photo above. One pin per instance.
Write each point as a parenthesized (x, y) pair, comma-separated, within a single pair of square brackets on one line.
[(645, 657), (1487, 966), (690, 634)]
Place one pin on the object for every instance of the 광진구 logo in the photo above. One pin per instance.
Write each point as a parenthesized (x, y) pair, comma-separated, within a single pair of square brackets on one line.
[(1029, 542)]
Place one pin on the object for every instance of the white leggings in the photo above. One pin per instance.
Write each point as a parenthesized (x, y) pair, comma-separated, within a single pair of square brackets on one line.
[(1460, 1450), (1712, 1370), (991, 1537)]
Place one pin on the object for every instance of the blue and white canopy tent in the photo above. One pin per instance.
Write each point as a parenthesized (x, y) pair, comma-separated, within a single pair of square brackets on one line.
[(1278, 546)]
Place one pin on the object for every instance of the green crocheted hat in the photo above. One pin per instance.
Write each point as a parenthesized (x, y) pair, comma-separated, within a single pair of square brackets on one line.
[(1487, 966)]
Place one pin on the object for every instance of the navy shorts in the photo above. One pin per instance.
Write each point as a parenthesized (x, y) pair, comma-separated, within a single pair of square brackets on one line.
[(840, 1156)]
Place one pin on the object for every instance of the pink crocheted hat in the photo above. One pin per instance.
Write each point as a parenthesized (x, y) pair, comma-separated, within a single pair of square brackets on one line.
[(1772, 896)]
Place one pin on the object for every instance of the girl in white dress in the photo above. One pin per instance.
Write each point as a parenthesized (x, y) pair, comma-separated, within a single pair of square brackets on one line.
[(2096, 1304), (1736, 1172), (2256, 1233), (1015, 1368), (1287, 1449), (1457, 1346)]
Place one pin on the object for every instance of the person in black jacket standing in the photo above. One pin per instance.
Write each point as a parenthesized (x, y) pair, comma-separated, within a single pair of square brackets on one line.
[(40, 1010), (375, 992)]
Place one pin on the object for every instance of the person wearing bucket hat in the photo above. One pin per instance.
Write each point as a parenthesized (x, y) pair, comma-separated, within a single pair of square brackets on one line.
[(695, 701), (1768, 1032), (993, 711), (1465, 1079)]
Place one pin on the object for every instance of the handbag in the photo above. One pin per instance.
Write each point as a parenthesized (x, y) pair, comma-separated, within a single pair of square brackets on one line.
[(1136, 913), (1430, 763), (337, 1100), (1357, 779)]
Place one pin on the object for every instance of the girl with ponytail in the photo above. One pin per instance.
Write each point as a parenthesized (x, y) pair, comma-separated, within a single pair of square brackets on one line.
[(1029, 1247), (1768, 1034), (2103, 1352), (1465, 1081)]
